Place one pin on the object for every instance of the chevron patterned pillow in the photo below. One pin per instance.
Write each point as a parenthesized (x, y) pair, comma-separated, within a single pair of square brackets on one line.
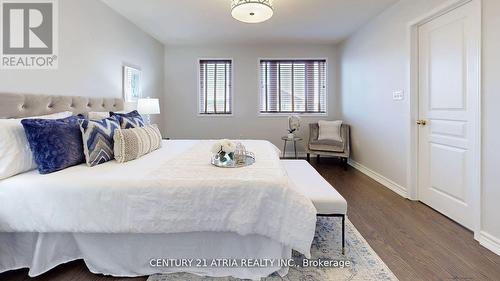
[(98, 139), (129, 120)]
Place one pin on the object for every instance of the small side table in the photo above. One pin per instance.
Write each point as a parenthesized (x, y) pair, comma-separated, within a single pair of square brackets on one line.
[(294, 140)]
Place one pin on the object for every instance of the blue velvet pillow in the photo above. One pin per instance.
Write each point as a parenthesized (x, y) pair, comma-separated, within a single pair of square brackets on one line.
[(129, 120), (55, 144)]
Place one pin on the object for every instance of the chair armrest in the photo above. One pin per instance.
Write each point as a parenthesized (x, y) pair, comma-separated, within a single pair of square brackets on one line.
[(313, 131), (346, 138)]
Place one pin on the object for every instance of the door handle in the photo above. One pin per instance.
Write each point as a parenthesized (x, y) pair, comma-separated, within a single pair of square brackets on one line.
[(421, 122)]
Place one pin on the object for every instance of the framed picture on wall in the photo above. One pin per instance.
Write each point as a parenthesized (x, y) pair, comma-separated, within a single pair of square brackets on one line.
[(131, 83)]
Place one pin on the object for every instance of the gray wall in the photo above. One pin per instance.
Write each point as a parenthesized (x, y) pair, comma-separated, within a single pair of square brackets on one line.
[(374, 62), (181, 92), (94, 43)]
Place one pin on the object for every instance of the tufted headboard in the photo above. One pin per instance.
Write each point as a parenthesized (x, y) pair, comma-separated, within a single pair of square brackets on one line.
[(24, 105)]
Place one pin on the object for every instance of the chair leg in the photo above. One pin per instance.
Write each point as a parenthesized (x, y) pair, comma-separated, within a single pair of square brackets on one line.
[(308, 157), (284, 150), (345, 163), (343, 235), (317, 158), (295, 149)]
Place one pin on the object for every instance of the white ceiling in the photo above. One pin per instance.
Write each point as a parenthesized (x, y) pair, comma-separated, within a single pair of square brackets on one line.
[(188, 22)]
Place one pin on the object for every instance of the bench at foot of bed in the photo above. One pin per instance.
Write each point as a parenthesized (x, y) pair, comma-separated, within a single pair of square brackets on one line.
[(328, 202)]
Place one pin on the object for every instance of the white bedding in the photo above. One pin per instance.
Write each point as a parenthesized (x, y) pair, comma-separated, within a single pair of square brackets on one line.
[(171, 190), (129, 255)]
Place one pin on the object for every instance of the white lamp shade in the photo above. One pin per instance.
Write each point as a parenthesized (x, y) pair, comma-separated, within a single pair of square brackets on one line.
[(148, 106), (129, 106)]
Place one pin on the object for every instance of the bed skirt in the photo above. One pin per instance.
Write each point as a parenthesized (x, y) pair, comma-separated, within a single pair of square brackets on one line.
[(131, 255)]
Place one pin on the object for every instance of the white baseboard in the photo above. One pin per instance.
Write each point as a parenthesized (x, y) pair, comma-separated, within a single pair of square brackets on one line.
[(489, 242), (379, 178)]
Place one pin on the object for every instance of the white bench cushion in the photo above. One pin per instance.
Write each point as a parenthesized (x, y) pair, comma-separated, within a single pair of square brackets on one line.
[(306, 180)]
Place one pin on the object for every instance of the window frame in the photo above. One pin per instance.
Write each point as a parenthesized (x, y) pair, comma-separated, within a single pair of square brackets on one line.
[(199, 109), (286, 114)]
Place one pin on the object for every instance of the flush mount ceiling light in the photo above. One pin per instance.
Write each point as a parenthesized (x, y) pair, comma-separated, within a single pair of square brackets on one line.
[(251, 11)]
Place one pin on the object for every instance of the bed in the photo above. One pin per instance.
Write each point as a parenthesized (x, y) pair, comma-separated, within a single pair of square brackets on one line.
[(169, 204)]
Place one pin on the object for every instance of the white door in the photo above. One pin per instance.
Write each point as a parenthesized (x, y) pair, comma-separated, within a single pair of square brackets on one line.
[(448, 105)]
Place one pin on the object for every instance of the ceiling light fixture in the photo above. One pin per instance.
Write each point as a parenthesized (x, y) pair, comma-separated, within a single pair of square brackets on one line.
[(251, 11)]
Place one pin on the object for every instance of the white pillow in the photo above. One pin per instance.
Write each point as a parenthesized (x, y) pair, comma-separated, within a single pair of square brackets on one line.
[(329, 130), (15, 152), (96, 115)]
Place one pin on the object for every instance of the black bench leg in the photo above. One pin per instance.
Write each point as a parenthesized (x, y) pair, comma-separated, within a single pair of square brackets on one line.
[(317, 158), (343, 235), (308, 157), (343, 227)]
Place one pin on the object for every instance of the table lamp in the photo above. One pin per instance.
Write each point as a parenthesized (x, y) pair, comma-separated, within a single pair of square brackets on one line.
[(147, 107)]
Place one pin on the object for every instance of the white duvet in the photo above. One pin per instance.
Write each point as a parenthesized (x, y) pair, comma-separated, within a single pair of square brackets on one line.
[(172, 190)]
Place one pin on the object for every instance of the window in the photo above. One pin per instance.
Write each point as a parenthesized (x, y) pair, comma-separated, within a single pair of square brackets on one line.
[(293, 86), (215, 87)]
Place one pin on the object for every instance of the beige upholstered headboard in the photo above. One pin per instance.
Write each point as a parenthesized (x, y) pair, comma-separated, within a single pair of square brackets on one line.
[(24, 105)]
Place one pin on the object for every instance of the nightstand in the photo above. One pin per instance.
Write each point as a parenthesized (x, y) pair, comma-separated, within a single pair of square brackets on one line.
[(294, 140)]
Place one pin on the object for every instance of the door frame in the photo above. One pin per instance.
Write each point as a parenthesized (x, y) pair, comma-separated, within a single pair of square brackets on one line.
[(413, 74)]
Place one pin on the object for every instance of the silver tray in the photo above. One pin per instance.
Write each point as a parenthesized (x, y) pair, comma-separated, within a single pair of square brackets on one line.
[(249, 160)]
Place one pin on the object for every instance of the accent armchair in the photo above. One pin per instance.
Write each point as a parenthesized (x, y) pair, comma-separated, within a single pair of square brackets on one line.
[(329, 147)]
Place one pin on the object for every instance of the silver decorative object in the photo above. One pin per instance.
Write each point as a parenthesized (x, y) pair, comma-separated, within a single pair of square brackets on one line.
[(249, 159), (240, 153), (224, 157)]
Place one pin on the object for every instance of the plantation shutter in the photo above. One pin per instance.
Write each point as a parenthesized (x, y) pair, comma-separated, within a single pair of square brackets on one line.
[(293, 86)]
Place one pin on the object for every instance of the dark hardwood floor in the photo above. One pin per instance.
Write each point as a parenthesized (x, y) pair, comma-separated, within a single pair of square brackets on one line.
[(416, 242)]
